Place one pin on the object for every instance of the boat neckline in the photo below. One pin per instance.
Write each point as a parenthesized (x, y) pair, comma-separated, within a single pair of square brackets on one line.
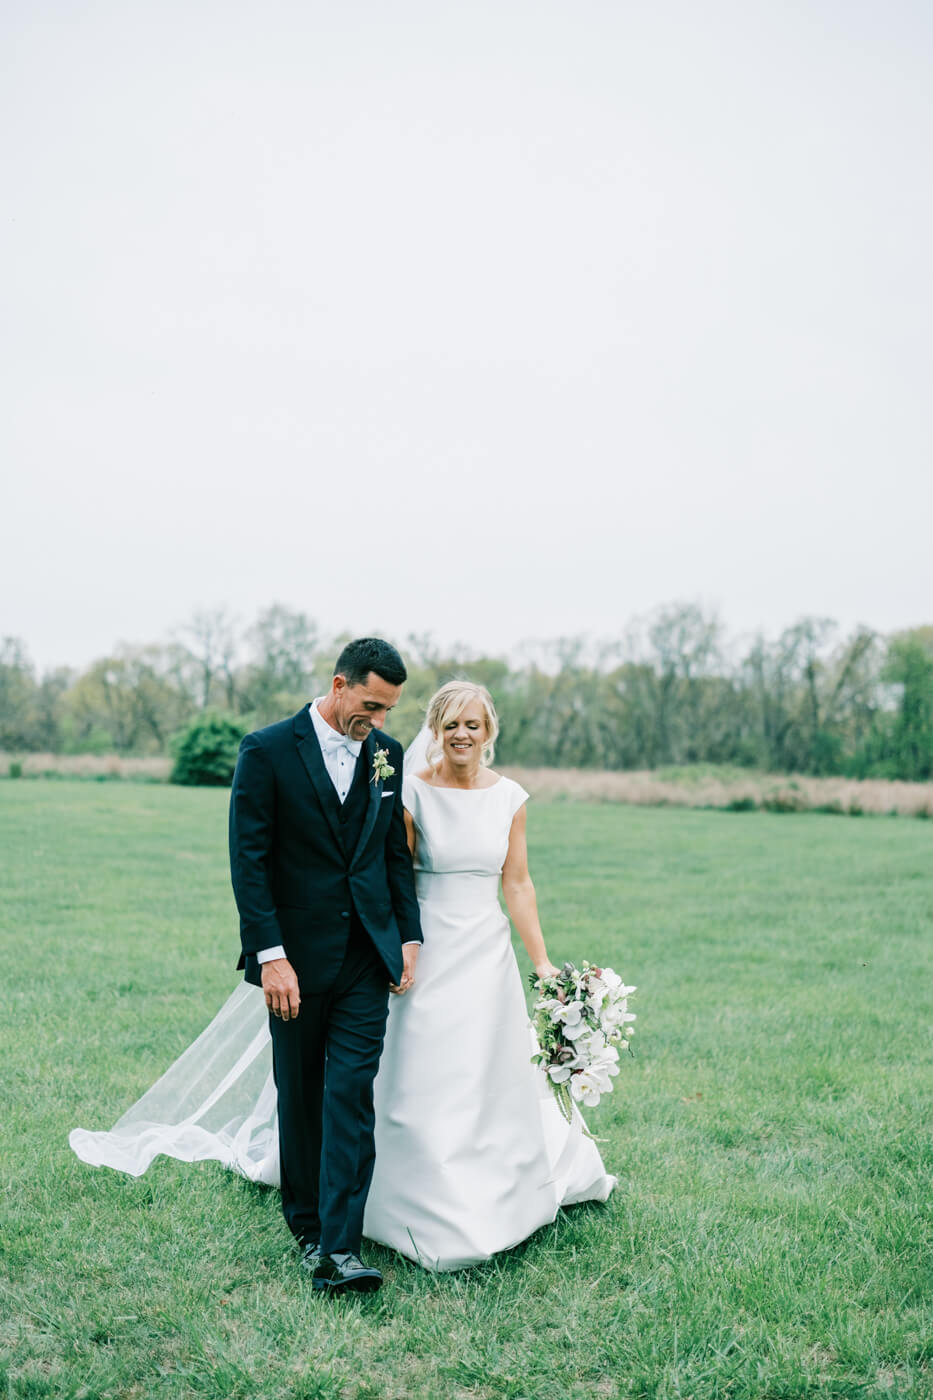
[(435, 788)]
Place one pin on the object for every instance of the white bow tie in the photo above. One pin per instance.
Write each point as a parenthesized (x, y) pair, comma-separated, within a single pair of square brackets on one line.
[(334, 741)]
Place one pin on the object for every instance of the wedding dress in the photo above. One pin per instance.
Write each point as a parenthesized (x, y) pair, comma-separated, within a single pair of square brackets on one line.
[(472, 1151)]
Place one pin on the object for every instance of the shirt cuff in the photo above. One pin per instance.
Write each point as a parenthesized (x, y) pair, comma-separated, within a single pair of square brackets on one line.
[(268, 954), (412, 943)]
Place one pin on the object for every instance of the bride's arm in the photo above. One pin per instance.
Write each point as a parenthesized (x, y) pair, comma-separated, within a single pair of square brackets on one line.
[(410, 832), (520, 897)]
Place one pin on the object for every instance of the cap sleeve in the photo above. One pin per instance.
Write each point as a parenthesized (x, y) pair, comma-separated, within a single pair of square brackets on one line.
[(516, 796)]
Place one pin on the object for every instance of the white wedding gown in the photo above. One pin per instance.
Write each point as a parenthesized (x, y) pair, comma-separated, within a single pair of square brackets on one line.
[(472, 1151)]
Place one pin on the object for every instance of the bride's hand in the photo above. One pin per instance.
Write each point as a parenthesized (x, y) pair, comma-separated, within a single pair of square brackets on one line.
[(546, 969), (409, 960)]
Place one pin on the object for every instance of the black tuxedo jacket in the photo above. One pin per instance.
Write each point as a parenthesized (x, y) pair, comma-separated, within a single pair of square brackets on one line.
[(295, 882)]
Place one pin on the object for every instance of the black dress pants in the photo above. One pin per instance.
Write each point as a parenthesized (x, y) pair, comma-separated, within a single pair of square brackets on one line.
[(325, 1062)]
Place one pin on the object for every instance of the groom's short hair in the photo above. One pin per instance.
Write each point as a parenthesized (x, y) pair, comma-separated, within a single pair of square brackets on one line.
[(370, 654)]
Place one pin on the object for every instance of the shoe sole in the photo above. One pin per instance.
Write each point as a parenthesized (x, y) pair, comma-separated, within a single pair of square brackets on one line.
[(366, 1283)]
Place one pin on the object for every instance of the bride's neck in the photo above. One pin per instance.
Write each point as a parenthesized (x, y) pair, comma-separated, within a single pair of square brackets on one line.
[(458, 777)]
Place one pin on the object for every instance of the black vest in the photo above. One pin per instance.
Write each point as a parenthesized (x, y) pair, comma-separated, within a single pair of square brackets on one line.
[(352, 813)]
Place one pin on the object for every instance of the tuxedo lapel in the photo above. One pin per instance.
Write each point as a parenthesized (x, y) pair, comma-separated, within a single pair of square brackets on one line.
[(375, 796), (313, 760)]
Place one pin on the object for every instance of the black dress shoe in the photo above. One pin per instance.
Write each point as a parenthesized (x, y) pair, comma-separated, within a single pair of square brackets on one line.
[(345, 1273), (310, 1257)]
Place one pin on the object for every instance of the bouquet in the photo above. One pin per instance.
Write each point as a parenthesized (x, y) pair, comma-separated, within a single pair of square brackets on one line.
[(581, 1021)]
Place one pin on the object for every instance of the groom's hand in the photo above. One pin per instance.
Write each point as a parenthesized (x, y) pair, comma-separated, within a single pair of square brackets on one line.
[(280, 987)]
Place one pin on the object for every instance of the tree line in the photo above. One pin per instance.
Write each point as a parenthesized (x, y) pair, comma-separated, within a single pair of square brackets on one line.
[(673, 689)]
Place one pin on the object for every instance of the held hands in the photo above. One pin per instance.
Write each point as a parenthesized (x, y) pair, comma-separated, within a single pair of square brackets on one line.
[(280, 987), (409, 960)]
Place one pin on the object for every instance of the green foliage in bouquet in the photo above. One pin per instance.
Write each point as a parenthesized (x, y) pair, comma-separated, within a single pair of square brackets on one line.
[(206, 752)]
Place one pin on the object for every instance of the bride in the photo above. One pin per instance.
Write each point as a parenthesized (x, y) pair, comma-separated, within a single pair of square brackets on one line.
[(472, 1152)]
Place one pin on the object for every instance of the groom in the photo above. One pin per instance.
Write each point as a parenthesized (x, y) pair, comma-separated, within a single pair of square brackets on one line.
[(329, 925)]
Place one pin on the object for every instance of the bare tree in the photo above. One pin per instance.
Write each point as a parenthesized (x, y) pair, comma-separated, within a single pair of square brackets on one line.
[(285, 661), (17, 692), (211, 643)]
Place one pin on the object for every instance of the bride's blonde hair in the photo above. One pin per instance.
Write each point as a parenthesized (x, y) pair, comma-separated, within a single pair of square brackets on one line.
[(447, 704)]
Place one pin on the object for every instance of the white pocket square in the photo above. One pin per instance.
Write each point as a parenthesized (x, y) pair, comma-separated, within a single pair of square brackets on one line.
[(389, 794)]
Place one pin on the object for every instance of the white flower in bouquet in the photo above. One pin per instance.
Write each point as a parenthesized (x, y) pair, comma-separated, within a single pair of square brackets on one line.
[(582, 1021), (590, 1084), (561, 1072), (597, 995), (569, 1016)]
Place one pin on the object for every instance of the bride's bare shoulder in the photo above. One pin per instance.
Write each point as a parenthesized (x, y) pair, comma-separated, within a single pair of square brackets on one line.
[(425, 775)]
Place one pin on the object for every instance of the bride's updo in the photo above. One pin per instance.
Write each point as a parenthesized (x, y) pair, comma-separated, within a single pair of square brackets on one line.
[(448, 704)]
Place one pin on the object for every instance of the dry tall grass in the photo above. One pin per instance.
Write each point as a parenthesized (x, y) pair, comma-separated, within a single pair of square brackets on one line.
[(704, 786), (774, 792), (86, 765)]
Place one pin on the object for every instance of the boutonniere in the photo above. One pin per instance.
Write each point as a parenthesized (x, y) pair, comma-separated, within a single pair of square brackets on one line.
[(382, 768)]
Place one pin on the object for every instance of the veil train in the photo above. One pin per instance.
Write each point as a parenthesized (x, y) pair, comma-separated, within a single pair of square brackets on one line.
[(217, 1102)]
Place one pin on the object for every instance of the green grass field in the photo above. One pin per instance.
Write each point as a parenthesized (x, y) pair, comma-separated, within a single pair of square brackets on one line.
[(772, 1234)]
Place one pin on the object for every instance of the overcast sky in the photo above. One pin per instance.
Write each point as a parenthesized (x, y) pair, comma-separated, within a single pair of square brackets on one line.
[(494, 320)]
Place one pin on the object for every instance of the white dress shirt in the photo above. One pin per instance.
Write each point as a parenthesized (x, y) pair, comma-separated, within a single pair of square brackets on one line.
[(339, 751), (340, 754)]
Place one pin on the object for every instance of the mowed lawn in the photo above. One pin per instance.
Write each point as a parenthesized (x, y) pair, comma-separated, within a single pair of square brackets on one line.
[(771, 1235)]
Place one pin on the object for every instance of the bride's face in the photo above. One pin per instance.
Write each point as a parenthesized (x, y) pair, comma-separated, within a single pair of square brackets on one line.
[(463, 738)]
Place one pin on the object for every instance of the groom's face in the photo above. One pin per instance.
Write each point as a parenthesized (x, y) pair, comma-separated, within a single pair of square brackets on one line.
[(360, 708)]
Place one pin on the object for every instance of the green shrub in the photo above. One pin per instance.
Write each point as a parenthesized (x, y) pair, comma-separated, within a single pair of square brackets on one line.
[(785, 800), (16, 768), (206, 752)]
